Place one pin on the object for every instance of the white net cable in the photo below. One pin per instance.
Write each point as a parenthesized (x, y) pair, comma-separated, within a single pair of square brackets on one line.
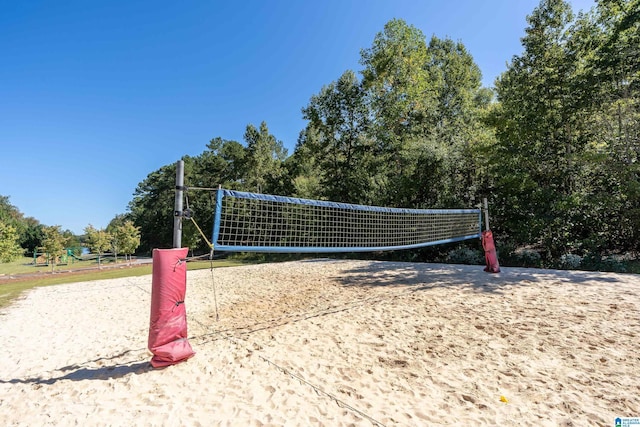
[(264, 223)]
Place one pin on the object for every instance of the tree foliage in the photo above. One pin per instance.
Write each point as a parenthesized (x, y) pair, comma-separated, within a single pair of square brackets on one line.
[(125, 238), (10, 249), (153, 205), (54, 243), (99, 241), (556, 151), (338, 141), (566, 160), (263, 159), (29, 229)]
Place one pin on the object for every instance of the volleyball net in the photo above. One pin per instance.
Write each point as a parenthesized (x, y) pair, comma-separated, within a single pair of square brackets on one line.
[(252, 222)]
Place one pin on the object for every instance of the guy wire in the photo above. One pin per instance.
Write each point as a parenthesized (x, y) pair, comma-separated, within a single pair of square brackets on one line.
[(213, 281)]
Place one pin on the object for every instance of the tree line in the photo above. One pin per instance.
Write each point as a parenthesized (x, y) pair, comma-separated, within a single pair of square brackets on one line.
[(20, 235), (554, 145)]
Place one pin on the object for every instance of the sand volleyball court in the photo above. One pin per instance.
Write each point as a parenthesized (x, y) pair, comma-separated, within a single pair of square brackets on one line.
[(332, 343)]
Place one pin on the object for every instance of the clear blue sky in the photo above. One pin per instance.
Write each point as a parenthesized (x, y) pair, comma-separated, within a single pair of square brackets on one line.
[(95, 95)]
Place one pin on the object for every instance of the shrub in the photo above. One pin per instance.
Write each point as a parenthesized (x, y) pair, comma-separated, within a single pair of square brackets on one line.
[(528, 258), (570, 261), (507, 254), (464, 255), (607, 263)]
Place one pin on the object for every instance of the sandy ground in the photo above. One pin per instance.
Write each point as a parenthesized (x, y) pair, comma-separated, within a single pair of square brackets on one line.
[(332, 343)]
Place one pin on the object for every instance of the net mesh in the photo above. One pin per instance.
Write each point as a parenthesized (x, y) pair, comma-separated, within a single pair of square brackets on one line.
[(265, 223)]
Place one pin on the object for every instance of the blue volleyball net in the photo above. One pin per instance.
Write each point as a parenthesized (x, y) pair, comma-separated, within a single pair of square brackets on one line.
[(251, 222)]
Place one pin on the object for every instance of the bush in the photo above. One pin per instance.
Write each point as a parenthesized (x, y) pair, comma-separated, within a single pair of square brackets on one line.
[(464, 255), (528, 258), (597, 262), (507, 254), (570, 261)]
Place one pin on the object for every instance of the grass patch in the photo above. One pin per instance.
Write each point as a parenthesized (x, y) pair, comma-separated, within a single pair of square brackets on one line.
[(25, 265), (10, 289)]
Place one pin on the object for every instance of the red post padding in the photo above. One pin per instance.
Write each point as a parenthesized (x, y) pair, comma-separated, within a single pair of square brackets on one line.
[(490, 252), (168, 321)]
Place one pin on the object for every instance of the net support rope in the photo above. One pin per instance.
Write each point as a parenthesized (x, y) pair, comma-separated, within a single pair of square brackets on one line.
[(253, 222)]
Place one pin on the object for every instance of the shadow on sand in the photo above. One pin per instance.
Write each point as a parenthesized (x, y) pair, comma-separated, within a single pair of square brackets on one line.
[(422, 276), (80, 373)]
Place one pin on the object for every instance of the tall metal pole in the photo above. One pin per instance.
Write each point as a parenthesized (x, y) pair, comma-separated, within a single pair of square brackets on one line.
[(486, 214), (177, 214)]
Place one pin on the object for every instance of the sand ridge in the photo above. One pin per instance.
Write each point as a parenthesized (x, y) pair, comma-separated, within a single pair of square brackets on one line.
[(334, 343)]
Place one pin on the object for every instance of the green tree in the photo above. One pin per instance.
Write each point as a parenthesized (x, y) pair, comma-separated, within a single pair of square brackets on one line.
[(116, 242), (114, 228), (337, 138), (54, 244), (31, 237), (399, 88), (10, 250), (609, 41), (99, 241), (29, 229), (128, 237), (8, 212), (427, 107), (444, 162), (152, 207), (402, 99), (264, 171), (567, 124), (537, 130), (459, 133), (222, 163), (303, 168)]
